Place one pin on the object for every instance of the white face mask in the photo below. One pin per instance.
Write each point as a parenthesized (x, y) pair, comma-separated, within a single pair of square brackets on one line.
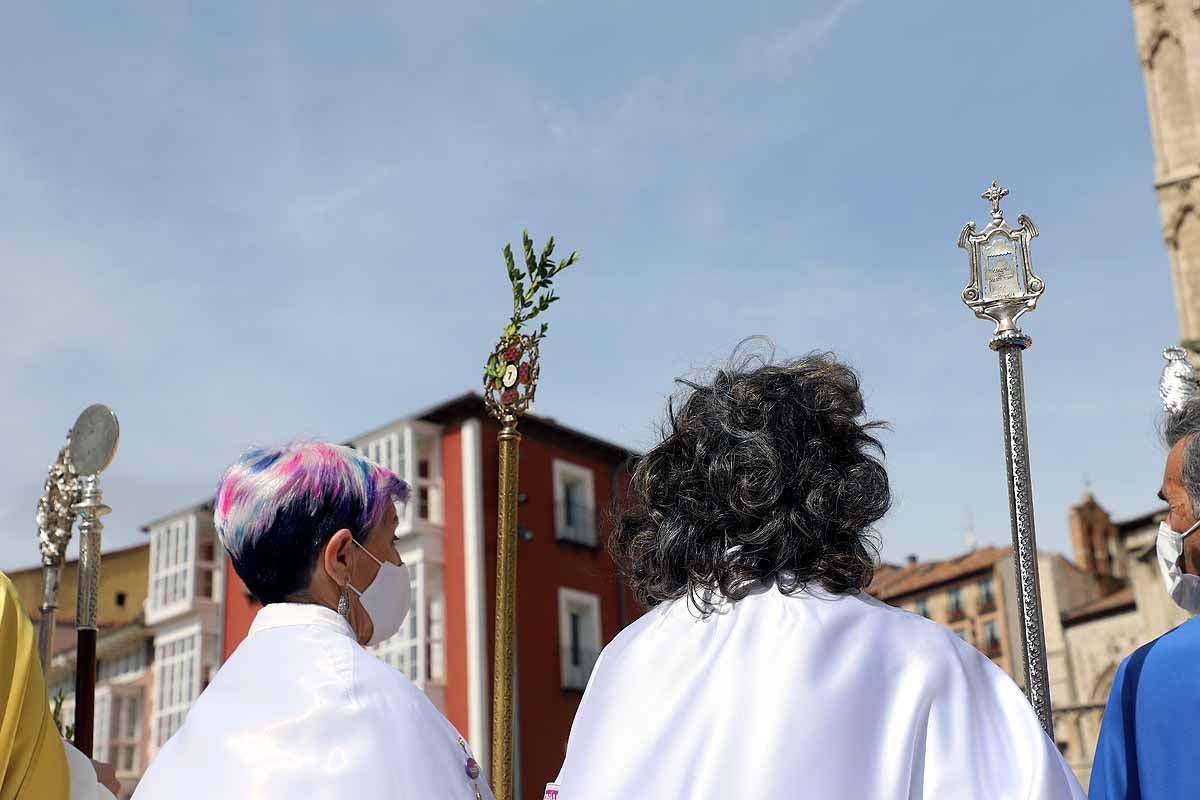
[(1183, 588), (387, 600)]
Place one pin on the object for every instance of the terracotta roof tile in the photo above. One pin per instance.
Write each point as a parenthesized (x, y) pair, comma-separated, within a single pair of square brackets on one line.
[(922, 575)]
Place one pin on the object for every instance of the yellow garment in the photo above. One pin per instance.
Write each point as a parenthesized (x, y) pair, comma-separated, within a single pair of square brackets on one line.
[(33, 764)]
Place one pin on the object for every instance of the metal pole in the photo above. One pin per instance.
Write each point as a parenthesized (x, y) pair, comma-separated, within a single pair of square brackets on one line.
[(506, 580), (1020, 507), (91, 509), (49, 613)]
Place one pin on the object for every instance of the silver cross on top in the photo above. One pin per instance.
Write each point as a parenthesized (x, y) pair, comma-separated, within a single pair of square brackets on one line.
[(994, 194)]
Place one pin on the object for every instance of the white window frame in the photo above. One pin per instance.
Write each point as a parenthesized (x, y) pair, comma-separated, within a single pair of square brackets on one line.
[(398, 451), (172, 564), (182, 697), (432, 484), (568, 472), (118, 740), (576, 676), (101, 723), (386, 451)]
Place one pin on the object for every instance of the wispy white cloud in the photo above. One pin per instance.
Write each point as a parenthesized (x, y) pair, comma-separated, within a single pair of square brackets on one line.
[(781, 51)]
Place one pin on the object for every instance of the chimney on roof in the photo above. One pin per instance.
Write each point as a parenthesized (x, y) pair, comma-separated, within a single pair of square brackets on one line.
[(912, 558)]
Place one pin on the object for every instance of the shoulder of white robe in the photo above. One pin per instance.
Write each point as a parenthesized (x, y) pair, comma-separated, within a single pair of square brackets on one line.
[(84, 783)]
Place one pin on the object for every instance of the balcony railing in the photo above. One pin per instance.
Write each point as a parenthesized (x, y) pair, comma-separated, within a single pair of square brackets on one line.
[(957, 613), (576, 523), (987, 605), (991, 649), (577, 665)]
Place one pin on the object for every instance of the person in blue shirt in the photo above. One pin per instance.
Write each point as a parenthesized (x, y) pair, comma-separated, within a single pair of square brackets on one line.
[(1152, 720)]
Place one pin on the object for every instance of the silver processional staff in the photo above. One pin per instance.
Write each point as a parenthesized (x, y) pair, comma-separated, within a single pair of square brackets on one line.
[(1003, 287), (93, 445)]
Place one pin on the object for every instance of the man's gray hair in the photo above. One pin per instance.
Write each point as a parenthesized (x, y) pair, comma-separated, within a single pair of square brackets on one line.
[(1179, 425)]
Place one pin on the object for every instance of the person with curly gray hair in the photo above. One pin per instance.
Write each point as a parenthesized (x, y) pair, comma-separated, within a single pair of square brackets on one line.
[(1146, 737), (762, 668)]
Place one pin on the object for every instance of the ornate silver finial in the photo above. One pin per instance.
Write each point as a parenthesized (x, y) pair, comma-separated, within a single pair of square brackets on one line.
[(994, 194), (1003, 285), (1179, 382), (55, 508)]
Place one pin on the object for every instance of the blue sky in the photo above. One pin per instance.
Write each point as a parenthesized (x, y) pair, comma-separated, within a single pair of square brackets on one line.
[(241, 224)]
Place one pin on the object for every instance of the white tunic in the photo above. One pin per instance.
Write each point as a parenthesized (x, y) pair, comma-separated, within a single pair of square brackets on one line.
[(805, 696), (301, 712)]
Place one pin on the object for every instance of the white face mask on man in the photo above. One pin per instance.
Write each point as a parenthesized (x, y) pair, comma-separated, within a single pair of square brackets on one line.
[(387, 600), (1183, 588)]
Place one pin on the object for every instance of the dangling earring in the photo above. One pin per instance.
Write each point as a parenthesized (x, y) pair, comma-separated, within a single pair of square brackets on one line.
[(344, 600)]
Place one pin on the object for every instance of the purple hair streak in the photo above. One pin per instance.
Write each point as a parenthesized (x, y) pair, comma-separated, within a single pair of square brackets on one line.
[(275, 508)]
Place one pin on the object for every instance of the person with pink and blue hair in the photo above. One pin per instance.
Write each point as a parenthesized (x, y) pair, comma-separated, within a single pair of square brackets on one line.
[(301, 709)]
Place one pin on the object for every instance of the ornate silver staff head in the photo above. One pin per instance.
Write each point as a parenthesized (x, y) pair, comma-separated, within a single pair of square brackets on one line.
[(1003, 285), (1179, 383), (55, 512), (93, 441)]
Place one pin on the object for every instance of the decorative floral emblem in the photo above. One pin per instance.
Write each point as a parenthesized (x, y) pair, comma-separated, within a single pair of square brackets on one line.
[(510, 379)]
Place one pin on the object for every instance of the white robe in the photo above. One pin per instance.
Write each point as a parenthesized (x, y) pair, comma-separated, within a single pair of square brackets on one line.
[(85, 785), (301, 712), (805, 696)]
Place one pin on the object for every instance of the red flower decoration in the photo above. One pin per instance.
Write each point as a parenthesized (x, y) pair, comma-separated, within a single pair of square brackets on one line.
[(508, 396), (523, 373), (511, 355)]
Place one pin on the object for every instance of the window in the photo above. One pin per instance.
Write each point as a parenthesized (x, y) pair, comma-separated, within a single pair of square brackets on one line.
[(987, 597), (423, 508), (207, 584), (176, 683), (120, 666), (579, 635), (387, 452), (416, 446), (437, 636), (101, 711), (120, 599), (574, 504), (125, 731), (923, 608), (171, 564), (427, 481), (956, 602), (963, 634), (991, 638)]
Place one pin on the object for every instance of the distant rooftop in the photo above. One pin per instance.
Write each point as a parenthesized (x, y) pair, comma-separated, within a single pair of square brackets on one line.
[(1121, 600), (914, 577), (466, 406)]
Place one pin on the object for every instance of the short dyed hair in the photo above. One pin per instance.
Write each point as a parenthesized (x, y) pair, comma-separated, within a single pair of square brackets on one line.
[(276, 508)]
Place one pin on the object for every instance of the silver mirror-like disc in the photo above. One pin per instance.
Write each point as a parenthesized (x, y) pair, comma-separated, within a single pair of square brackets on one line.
[(94, 439)]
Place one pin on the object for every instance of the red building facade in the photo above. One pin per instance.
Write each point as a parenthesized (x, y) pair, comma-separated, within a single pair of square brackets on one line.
[(570, 599)]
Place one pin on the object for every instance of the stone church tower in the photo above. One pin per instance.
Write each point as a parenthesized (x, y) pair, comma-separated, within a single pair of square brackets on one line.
[(1168, 43)]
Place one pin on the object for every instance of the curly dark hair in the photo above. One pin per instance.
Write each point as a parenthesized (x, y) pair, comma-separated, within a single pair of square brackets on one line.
[(766, 474)]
